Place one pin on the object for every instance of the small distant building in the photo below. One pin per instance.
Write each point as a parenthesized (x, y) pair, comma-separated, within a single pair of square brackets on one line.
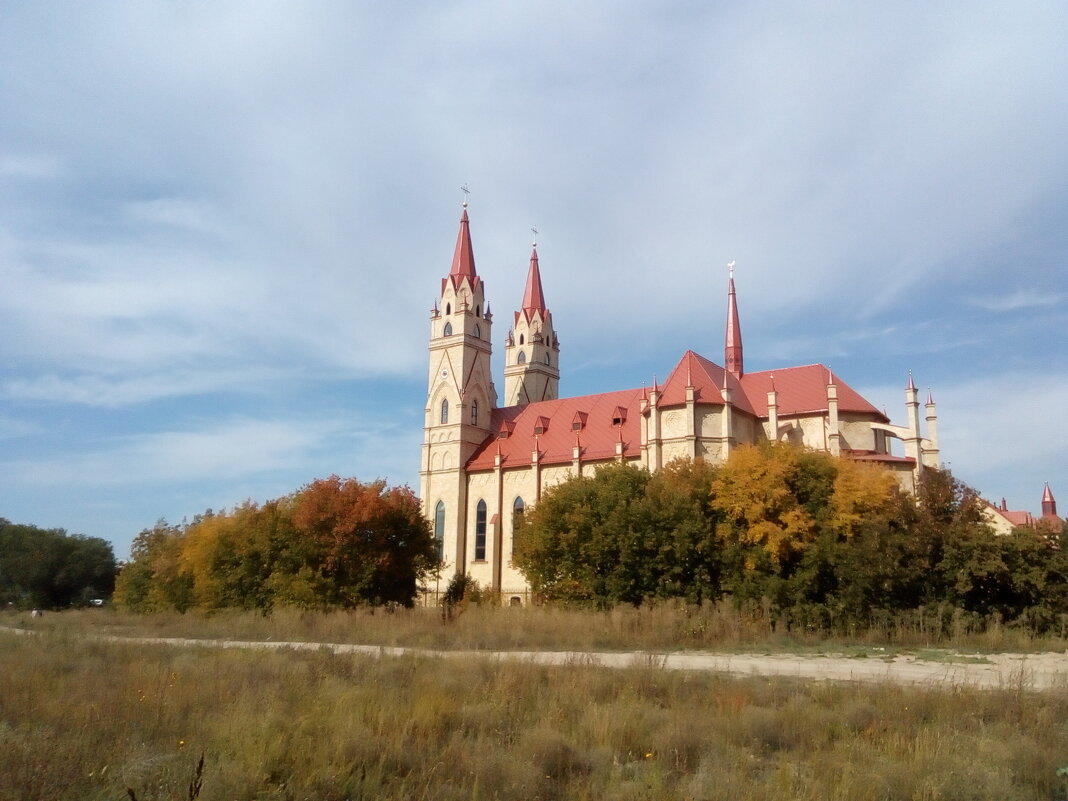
[(1004, 520)]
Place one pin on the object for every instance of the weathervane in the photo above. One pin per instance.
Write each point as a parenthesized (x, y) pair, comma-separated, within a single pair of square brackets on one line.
[(534, 230), (466, 192)]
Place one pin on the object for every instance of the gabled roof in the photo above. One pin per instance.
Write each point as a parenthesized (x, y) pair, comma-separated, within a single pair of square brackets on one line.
[(707, 379), (597, 439), (799, 390), (803, 390)]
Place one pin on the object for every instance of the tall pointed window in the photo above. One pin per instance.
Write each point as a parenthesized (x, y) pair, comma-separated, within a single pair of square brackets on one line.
[(474, 412), (522, 358), (447, 331), (518, 507), (439, 529), (444, 411), (480, 532), (478, 331)]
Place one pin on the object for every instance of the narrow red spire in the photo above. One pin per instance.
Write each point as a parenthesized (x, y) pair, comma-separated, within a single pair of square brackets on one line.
[(912, 384), (463, 260), (533, 296), (732, 349), (1049, 505)]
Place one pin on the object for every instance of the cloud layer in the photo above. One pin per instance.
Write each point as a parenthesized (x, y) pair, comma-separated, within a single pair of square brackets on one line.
[(222, 224)]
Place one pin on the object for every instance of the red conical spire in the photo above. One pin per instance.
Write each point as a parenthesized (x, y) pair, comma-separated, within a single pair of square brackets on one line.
[(533, 296), (463, 260), (1049, 505), (732, 349)]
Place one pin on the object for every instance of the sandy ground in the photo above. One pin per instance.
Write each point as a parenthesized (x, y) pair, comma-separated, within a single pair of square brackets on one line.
[(1045, 671)]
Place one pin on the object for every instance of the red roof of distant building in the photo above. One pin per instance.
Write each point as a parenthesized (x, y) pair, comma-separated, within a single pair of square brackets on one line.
[(597, 436)]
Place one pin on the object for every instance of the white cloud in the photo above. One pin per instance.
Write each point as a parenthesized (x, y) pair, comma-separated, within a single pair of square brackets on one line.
[(1022, 299)]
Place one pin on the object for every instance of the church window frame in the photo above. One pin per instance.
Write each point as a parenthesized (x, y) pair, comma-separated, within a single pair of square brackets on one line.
[(443, 416), (519, 508), (522, 340), (521, 358), (478, 331), (474, 412), (480, 531), (439, 529), (447, 330), (448, 308)]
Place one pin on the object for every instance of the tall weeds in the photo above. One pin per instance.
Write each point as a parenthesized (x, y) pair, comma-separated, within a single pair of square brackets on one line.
[(667, 626), (86, 720)]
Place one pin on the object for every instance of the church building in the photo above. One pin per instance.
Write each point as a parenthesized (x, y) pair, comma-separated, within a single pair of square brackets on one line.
[(484, 462)]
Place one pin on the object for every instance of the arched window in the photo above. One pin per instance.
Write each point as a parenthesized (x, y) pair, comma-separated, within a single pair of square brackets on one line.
[(448, 308), (478, 331), (478, 310), (547, 359), (439, 529), (518, 507), (522, 358), (444, 411), (447, 331), (474, 412), (480, 532), (521, 340)]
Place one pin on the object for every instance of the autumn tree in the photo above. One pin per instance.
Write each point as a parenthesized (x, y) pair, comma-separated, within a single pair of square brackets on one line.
[(368, 543), (336, 542)]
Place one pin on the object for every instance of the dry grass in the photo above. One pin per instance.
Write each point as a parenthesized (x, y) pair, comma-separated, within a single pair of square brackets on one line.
[(492, 627), (85, 720)]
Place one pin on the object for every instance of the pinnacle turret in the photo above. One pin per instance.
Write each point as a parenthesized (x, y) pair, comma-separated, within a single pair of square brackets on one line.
[(533, 296), (732, 346)]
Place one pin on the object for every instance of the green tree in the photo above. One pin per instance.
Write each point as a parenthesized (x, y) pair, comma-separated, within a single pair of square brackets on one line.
[(622, 536), (52, 569)]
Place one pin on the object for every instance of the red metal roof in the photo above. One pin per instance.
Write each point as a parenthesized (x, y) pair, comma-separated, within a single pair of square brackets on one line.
[(803, 390), (732, 348), (800, 390), (533, 296), (597, 438), (463, 259)]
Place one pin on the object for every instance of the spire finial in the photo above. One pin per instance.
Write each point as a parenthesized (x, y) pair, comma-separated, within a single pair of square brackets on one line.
[(466, 192), (534, 230), (730, 268), (912, 384)]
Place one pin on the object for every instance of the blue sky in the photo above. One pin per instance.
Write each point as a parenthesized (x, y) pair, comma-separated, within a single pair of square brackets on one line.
[(223, 224)]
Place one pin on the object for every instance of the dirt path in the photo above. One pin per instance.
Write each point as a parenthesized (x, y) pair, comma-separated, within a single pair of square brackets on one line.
[(1029, 671)]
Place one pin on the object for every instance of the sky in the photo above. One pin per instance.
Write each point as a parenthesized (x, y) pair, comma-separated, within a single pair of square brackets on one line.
[(223, 224)]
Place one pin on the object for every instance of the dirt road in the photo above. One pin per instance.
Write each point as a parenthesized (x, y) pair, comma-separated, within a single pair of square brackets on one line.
[(1030, 671)]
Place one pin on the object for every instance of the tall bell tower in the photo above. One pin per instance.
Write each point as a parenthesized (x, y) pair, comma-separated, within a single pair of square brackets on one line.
[(460, 398), (532, 350)]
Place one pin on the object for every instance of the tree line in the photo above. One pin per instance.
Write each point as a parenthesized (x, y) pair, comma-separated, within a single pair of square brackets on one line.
[(827, 542), (334, 543), (51, 569)]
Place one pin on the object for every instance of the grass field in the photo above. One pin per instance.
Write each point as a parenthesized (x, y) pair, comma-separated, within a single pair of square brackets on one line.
[(493, 627), (84, 719)]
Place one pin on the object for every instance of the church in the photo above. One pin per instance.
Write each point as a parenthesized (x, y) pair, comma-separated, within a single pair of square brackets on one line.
[(484, 462)]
